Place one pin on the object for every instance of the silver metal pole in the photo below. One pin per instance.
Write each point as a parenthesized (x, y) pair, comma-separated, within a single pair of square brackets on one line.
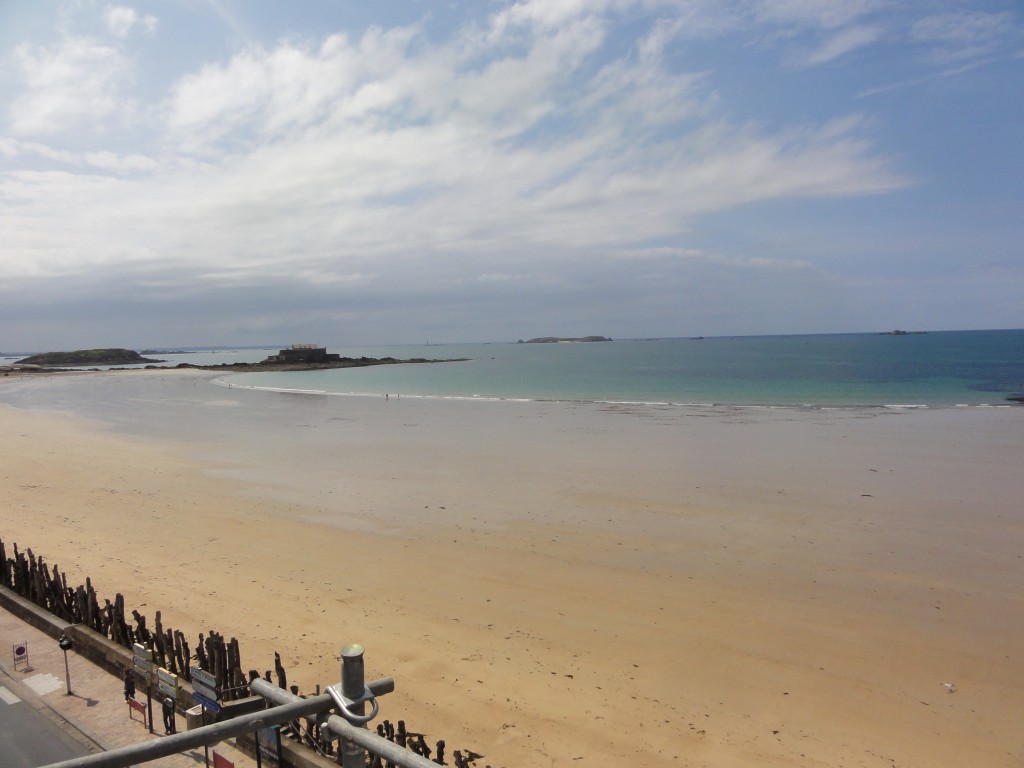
[(352, 682)]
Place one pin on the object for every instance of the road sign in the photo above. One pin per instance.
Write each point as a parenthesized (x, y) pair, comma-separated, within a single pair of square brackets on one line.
[(204, 685), (167, 682), (202, 690), (20, 651), (203, 677), (142, 661), (209, 704)]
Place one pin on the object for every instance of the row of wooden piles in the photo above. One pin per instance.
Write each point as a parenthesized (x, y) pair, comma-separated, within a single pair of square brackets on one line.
[(46, 586)]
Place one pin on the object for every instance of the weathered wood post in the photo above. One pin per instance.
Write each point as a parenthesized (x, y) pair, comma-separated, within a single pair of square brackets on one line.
[(282, 676)]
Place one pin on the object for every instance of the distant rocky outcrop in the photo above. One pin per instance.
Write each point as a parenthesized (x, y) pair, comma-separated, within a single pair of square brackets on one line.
[(274, 363), (113, 356), (556, 339)]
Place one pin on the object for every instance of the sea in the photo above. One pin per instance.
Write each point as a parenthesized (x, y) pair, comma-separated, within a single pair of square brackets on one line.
[(855, 370)]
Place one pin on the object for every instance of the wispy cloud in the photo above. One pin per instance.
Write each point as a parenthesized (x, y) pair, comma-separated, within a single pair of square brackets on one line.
[(819, 14), (74, 80), (849, 39), (963, 35)]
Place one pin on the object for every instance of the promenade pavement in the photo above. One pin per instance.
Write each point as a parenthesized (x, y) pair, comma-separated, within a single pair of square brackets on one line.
[(95, 714)]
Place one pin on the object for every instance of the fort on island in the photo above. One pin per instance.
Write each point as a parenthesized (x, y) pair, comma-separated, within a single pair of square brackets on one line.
[(304, 353)]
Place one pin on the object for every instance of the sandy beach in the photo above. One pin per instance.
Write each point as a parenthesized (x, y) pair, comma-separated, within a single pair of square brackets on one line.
[(567, 584)]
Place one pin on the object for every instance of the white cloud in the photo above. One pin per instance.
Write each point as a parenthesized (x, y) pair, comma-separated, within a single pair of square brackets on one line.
[(325, 158), (263, 94), (377, 81), (131, 163), (218, 100), (544, 14), (121, 20), (70, 82)]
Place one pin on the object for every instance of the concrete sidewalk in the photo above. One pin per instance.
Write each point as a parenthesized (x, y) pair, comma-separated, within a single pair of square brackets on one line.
[(95, 713)]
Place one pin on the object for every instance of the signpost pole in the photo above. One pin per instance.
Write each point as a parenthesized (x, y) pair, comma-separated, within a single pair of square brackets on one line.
[(67, 672), (206, 749)]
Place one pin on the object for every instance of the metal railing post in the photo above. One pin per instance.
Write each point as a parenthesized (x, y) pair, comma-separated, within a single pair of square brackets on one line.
[(353, 682)]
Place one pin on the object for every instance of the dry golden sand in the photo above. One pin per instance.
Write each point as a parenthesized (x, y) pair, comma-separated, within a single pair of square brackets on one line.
[(604, 586)]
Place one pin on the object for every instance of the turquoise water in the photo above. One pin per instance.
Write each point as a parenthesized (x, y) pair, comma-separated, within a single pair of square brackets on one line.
[(946, 368)]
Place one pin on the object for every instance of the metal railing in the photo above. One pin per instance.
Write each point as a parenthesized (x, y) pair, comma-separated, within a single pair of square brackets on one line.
[(349, 724)]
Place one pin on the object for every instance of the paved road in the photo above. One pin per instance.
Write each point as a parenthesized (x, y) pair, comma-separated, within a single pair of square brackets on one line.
[(28, 738)]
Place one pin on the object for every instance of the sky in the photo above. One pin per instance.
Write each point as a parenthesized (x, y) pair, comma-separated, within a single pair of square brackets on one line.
[(248, 172)]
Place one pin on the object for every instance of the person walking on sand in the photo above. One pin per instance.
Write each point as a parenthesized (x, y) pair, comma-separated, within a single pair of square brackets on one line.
[(129, 685), (169, 727)]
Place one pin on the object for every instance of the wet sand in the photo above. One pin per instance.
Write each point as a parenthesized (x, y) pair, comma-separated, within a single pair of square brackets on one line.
[(556, 584)]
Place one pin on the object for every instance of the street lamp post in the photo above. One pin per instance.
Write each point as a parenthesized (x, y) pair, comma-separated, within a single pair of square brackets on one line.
[(66, 645)]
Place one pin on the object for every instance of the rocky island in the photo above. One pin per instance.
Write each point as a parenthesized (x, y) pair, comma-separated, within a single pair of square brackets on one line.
[(109, 356)]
